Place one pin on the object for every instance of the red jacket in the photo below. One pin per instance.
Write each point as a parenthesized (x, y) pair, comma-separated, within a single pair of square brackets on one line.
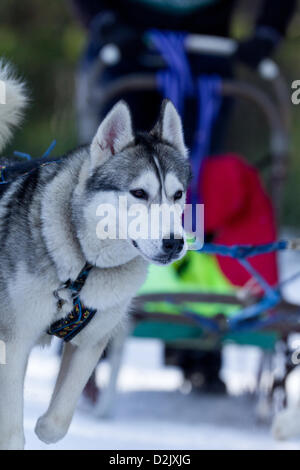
[(238, 211)]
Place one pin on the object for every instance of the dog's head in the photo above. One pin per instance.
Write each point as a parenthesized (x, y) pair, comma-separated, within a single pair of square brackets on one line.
[(137, 184)]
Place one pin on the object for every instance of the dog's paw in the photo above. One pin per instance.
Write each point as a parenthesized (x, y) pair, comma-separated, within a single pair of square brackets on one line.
[(50, 430), (286, 424)]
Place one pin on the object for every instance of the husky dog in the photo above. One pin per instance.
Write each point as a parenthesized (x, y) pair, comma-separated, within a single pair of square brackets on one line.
[(48, 232)]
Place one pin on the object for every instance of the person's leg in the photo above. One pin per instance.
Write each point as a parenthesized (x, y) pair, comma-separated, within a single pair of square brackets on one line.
[(200, 368)]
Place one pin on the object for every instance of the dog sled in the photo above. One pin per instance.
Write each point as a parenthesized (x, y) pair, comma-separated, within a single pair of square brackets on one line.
[(205, 310)]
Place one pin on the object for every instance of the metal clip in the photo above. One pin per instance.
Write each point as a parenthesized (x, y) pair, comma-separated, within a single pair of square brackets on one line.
[(60, 301)]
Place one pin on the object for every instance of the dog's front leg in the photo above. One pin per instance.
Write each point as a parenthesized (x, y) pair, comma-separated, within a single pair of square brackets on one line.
[(12, 375), (76, 368)]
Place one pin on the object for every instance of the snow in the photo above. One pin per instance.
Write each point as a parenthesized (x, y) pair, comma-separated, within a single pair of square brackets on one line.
[(154, 410)]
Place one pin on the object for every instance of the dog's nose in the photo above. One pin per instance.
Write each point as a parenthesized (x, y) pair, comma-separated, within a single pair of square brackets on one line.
[(172, 245)]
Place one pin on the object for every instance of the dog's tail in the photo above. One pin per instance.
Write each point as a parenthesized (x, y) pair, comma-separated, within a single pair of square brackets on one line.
[(13, 100)]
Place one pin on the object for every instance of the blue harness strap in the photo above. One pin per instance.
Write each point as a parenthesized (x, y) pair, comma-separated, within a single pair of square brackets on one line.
[(9, 172)]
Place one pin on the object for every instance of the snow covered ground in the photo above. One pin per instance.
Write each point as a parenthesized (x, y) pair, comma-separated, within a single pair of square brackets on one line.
[(153, 410)]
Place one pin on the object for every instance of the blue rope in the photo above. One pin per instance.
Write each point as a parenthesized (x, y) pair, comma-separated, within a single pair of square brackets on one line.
[(255, 324), (209, 102), (28, 156), (243, 251), (290, 279), (253, 311), (202, 321), (256, 275), (176, 82), (22, 155), (49, 149), (250, 318), (272, 295)]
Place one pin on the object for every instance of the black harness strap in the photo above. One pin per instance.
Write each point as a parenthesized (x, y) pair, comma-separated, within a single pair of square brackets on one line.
[(69, 327)]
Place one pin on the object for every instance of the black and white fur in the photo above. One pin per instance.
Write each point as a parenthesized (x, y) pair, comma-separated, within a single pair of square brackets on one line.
[(48, 232)]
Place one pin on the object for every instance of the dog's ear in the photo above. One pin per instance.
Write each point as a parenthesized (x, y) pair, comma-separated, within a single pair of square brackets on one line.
[(113, 135), (169, 127)]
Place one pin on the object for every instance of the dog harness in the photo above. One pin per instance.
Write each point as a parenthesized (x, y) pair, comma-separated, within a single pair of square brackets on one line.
[(68, 327)]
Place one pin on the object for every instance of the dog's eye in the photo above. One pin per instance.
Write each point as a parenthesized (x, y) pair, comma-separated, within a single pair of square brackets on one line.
[(178, 195), (139, 194)]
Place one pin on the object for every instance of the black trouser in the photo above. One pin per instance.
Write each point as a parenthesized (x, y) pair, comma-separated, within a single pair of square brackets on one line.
[(207, 362)]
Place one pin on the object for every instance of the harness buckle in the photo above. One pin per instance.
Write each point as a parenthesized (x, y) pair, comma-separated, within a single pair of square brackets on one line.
[(60, 301)]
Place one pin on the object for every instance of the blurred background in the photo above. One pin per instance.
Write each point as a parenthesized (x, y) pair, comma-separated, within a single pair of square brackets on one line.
[(155, 406), (45, 41)]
